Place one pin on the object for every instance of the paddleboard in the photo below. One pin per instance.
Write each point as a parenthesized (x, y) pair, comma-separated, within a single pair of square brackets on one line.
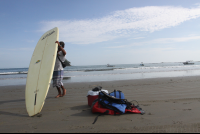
[(40, 71)]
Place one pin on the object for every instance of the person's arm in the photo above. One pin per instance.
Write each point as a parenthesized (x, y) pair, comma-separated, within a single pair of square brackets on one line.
[(61, 48)]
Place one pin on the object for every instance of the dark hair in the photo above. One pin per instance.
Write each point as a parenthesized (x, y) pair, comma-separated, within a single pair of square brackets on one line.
[(62, 44)]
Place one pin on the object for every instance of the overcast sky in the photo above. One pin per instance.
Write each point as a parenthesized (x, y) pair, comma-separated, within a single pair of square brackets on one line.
[(98, 32)]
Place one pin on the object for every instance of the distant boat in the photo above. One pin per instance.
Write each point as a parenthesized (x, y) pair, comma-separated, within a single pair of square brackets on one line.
[(108, 65), (189, 62), (141, 64)]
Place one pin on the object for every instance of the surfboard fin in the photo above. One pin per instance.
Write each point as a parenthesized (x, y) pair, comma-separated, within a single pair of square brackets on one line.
[(35, 99)]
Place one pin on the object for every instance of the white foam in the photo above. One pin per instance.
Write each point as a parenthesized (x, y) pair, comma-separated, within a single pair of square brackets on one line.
[(10, 73)]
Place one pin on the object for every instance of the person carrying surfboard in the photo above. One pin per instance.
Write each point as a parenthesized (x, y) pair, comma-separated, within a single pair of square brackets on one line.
[(58, 69)]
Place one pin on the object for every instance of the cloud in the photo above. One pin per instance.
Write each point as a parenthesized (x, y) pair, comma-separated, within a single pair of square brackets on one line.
[(171, 40), (136, 38), (121, 23), (160, 41), (197, 4)]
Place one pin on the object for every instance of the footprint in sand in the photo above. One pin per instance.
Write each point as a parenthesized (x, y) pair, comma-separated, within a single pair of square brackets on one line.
[(145, 104), (85, 109), (186, 109)]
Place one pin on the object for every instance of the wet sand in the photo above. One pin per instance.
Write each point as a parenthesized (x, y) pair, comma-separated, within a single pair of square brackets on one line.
[(171, 105)]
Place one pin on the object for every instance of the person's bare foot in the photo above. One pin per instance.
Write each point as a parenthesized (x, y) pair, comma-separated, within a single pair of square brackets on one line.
[(58, 96), (64, 92)]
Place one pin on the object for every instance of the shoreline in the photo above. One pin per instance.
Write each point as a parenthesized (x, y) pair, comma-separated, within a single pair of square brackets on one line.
[(125, 77), (171, 105)]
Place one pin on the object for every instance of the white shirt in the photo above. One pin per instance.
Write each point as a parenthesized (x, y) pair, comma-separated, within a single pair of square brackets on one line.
[(58, 65)]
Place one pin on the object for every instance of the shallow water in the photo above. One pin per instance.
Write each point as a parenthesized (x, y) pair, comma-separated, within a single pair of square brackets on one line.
[(17, 76)]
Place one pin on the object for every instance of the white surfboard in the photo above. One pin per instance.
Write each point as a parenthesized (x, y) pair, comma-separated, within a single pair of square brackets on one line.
[(40, 71)]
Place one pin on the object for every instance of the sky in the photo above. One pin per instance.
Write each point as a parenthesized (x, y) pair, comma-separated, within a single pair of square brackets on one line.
[(100, 32)]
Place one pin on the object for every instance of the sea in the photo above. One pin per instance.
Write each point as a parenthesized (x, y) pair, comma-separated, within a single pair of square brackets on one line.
[(94, 73)]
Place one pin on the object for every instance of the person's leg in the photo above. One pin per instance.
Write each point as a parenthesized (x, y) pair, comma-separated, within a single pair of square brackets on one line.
[(59, 92), (61, 78), (55, 83), (64, 90)]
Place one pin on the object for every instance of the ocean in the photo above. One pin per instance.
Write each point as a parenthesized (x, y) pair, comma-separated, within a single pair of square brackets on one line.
[(73, 74)]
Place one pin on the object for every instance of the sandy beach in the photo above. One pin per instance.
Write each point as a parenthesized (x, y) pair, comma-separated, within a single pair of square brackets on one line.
[(170, 105)]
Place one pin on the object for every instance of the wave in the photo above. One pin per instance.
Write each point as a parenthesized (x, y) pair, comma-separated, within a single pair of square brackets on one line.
[(65, 78), (88, 70), (13, 78), (139, 68), (158, 67), (143, 72), (9, 73), (134, 72)]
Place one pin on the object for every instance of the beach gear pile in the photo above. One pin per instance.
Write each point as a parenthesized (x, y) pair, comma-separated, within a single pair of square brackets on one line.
[(113, 103)]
